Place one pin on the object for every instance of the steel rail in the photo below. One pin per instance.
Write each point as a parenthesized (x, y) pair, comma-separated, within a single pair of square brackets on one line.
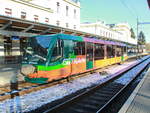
[(34, 86), (74, 99), (102, 110)]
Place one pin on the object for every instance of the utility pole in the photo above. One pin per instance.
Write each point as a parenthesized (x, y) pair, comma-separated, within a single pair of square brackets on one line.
[(140, 23), (137, 36)]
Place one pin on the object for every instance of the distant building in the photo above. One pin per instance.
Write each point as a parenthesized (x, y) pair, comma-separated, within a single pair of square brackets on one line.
[(120, 32)]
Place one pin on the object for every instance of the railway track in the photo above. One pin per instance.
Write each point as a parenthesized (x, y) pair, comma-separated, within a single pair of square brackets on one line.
[(97, 99), (24, 87)]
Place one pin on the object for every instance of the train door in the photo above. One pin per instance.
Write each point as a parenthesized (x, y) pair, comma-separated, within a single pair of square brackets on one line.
[(122, 54), (68, 57), (89, 55)]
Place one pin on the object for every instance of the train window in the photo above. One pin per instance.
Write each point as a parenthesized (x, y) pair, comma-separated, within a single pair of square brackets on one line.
[(57, 51), (118, 51), (113, 51), (99, 51), (125, 49), (110, 51), (79, 48), (122, 51)]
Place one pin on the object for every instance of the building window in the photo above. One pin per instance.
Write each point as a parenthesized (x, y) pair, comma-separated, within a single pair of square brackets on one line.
[(23, 15), (100, 32), (57, 23), (36, 17), (8, 11), (75, 13), (74, 26), (67, 9), (47, 20), (58, 7), (67, 25), (103, 33)]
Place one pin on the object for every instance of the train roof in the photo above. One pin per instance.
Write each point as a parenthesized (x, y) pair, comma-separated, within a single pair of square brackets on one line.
[(41, 38)]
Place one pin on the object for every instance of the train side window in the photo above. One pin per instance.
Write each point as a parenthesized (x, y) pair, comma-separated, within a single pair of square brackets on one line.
[(118, 51), (113, 51), (125, 49), (110, 51), (99, 51), (57, 51), (79, 48)]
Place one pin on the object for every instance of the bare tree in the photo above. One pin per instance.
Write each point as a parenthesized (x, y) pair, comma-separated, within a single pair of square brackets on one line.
[(132, 33)]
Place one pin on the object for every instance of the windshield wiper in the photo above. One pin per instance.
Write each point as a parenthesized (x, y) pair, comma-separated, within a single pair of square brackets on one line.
[(40, 57)]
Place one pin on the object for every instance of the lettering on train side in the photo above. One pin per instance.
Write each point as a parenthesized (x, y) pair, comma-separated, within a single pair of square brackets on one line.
[(73, 60)]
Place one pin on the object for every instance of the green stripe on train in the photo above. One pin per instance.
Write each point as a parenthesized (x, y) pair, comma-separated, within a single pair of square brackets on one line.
[(49, 68), (36, 80)]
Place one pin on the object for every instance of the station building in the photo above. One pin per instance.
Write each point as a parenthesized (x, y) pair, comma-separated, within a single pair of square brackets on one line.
[(21, 19), (120, 31)]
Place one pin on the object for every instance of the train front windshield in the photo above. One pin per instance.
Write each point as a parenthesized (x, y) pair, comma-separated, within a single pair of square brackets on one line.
[(36, 50)]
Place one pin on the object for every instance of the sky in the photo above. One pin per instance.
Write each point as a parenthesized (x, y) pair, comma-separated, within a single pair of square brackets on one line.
[(117, 11)]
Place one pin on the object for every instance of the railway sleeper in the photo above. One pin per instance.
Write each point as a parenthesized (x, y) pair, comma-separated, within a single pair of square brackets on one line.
[(105, 92), (111, 89), (92, 101), (75, 110), (101, 99), (86, 107), (99, 95), (113, 85)]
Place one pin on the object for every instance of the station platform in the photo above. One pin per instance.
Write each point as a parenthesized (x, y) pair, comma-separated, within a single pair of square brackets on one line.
[(139, 100), (9, 73)]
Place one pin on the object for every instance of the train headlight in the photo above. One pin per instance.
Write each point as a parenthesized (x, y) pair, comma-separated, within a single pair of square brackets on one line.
[(27, 69)]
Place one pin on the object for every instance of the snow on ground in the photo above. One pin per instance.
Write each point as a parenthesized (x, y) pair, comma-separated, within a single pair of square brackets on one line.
[(36, 99), (114, 69), (131, 74)]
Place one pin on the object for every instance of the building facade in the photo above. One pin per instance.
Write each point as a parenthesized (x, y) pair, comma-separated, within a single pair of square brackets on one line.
[(120, 32), (63, 13), (59, 13)]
